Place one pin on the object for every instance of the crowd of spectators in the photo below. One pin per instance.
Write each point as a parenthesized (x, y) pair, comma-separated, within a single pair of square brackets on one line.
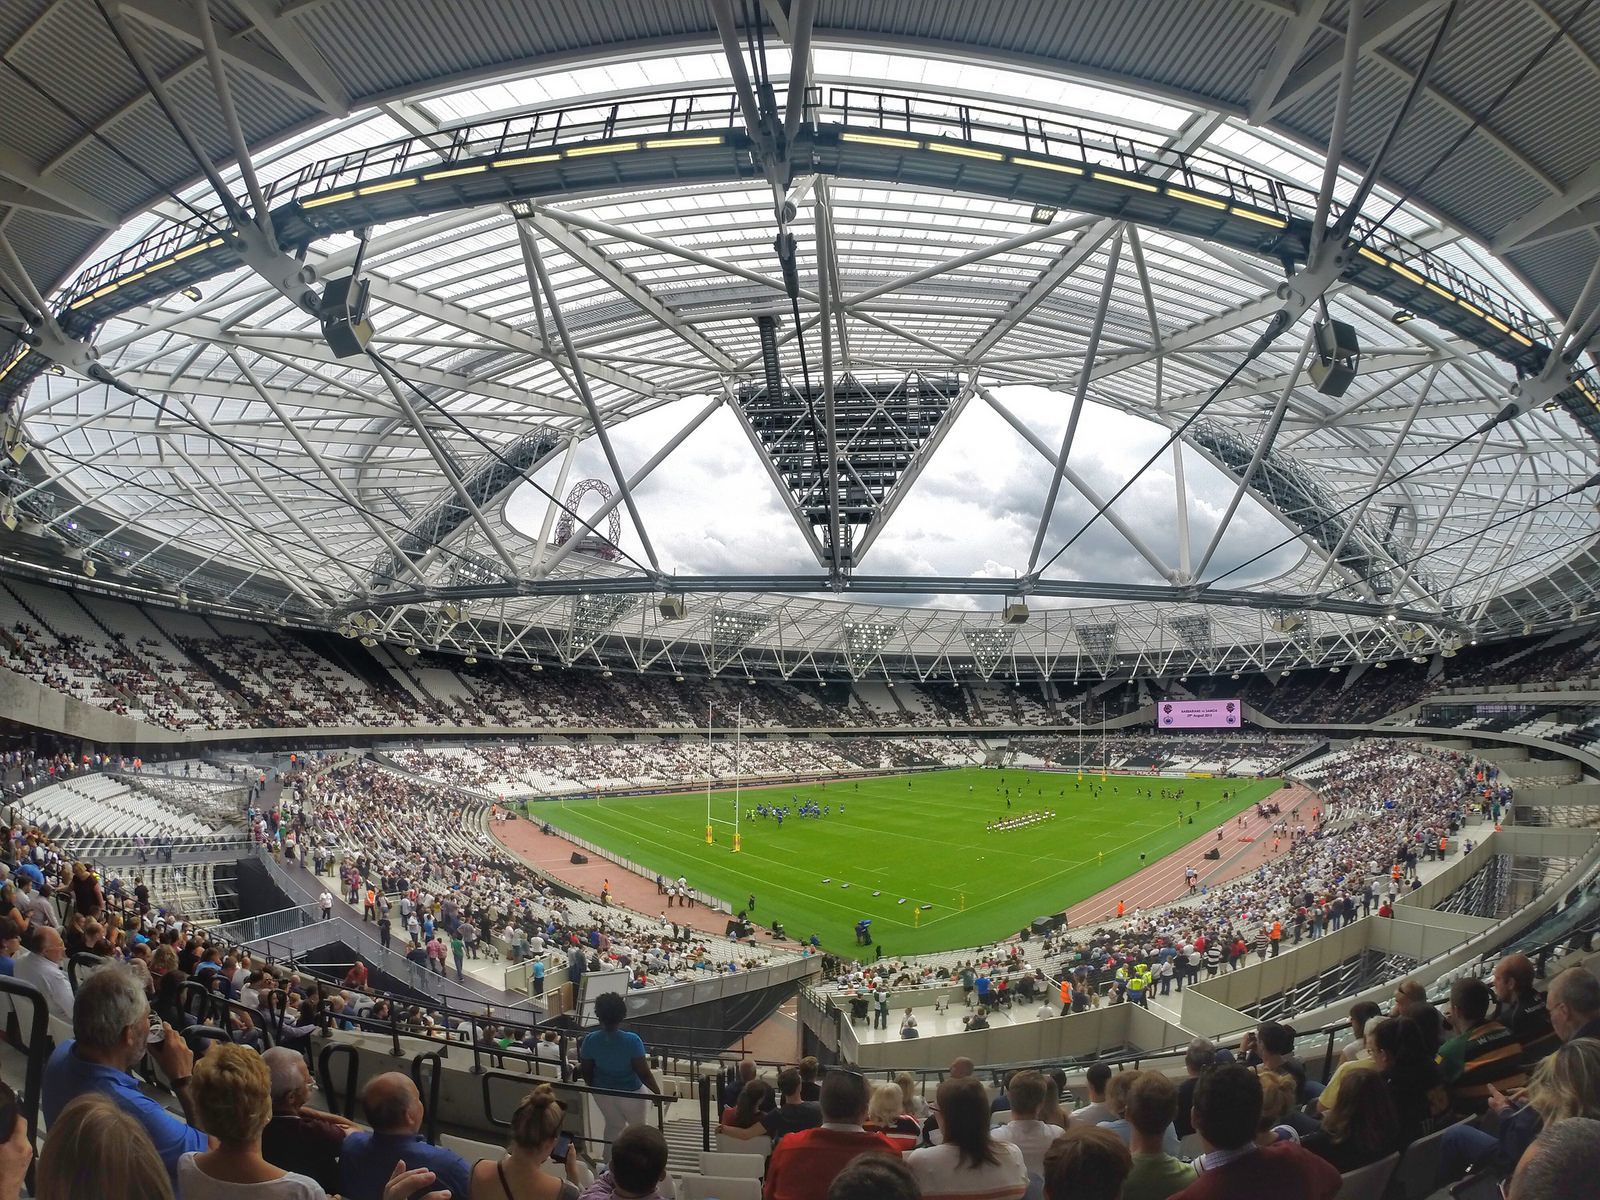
[(443, 889), (1378, 810), (1243, 1123), (504, 768), (1521, 1063)]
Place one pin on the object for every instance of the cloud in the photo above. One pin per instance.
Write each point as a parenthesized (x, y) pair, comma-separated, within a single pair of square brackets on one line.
[(712, 509)]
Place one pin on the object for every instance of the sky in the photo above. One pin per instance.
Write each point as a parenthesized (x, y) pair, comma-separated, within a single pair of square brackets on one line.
[(711, 507)]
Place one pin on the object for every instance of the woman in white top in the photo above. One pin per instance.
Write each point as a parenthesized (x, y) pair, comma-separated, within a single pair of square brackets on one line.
[(969, 1164), (232, 1090)]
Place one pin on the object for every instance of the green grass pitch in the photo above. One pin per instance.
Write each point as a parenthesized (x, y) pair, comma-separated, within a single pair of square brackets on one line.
[(922, 837)]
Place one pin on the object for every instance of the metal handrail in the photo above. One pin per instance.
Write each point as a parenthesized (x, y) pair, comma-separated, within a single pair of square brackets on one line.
[(36, 1048)]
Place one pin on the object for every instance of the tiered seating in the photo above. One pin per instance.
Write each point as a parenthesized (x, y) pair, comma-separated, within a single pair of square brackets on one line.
[(104, 805), (207, 703)]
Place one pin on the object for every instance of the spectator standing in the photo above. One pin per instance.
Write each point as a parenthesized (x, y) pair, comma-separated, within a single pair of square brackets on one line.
[(615, 1059)]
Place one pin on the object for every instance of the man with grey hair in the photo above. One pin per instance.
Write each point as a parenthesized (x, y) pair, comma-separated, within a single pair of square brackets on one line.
[(42, 967), (300, 1138), (1573, 1002), (1561, 1164), (111, 1032)]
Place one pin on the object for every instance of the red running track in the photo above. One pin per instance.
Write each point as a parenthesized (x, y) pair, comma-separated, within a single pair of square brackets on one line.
[(1244, 848), (552, 854)]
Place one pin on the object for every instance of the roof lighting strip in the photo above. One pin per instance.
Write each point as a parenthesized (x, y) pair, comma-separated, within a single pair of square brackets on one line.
[(1439, 290), (521, 160), (160, 264)]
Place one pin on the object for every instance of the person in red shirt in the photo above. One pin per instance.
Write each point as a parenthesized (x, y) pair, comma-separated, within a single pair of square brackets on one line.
[(1226, 1111), (804, 1164)]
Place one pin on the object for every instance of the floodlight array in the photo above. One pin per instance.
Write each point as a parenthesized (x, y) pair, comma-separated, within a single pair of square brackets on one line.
[(865, 641), (989, 647), (1193, 631), (732, 629), (1098, 641), (592, 616)]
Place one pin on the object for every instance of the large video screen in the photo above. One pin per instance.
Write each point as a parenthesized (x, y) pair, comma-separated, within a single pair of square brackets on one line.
[(1197, 714)]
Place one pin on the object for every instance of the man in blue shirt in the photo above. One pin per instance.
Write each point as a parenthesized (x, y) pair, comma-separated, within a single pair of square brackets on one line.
[(111, 1027), (393, 1108)]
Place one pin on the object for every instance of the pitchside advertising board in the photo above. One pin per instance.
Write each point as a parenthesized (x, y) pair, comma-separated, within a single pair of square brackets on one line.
[(1198, 714)]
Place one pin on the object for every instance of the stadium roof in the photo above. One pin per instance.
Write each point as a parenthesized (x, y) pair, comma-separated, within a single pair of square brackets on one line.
[(566, 215)]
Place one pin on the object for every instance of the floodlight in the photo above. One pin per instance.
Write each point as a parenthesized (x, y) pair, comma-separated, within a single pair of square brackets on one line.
[(1042, 214), (88, 566), (470, 659), (411, 649)]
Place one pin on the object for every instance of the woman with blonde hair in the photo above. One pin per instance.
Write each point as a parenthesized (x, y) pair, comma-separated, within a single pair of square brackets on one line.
[(232, 1090), (535, 1134), (1277, 1102), (96, 1150), (1565, 1085), (885, 1116), (911, 1101)]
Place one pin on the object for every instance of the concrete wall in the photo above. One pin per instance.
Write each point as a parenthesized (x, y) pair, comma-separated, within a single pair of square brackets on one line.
[(1029, 1040), (32, 704)]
